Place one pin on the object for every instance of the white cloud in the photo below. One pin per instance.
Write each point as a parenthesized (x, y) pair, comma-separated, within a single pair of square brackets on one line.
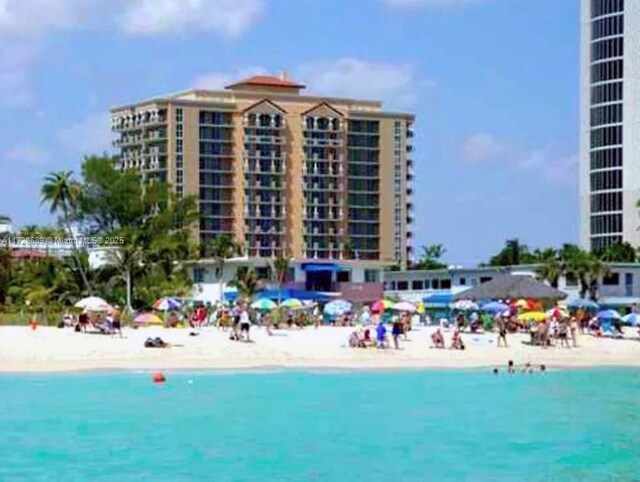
[(229, 18), (428, 4), (484, 147), (351, 77), (91, 135), (556, 168), (219, 80), (26, 24), (27, 153)]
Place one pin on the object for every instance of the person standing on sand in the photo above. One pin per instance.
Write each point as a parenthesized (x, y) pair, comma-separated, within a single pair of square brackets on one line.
[(573, 328), (502, 330), (396, 331)]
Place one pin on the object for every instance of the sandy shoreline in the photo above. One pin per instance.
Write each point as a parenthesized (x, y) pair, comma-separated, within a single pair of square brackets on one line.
[(48, 350)]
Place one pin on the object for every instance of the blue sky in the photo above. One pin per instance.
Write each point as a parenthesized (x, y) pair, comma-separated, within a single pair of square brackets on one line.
[(494, 85)]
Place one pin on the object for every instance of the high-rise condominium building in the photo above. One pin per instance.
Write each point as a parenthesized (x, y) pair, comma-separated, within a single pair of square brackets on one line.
[(610, 123), (306, 176)]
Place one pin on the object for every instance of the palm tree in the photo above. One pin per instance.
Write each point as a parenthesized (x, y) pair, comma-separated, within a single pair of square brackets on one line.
[(280, 269), (551, 267), (222, 248), (63, 193), (126, 260), (246, 282)]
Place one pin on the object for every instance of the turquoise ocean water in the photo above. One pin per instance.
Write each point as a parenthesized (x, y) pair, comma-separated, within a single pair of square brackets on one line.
[(302, 426)]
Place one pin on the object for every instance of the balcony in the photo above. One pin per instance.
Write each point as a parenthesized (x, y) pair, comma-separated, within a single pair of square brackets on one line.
[(251, 139), (409, 163), (308, 141), (409, 219), (409, 148), (410, 176)]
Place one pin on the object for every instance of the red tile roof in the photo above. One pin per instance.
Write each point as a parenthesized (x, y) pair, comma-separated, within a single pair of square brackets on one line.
[(268, 81), (28, 253)]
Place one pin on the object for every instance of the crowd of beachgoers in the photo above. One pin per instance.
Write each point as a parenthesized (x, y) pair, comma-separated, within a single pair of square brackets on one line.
[(295, 334)]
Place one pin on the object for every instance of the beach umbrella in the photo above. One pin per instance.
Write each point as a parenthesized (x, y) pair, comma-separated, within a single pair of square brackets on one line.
[(404, 306), (381, 305), (166, 304), (292, 303), (608, 315), (148, 319), (556, 313), (584, 304), (337, 308), (632, 319), (465, 305), (421, 309), (264, 304), (532, 316), (495, 307), (93, 303)]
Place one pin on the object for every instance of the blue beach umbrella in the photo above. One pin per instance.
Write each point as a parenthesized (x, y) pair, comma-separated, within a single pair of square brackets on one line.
[(582, 303), (608, 315), (337, 308), (632, 319), (495, 307), (264, 304)]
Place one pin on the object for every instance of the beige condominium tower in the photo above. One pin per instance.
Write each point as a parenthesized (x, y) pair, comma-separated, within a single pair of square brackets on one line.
[(305, 176)]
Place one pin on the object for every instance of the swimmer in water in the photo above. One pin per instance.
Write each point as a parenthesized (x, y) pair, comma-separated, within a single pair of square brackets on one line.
[(510, 368), (495, 371), (543, 368)]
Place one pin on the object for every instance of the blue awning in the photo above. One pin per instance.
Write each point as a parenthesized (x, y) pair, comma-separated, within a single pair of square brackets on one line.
[(282, 295), (438, 300), (317, 267)]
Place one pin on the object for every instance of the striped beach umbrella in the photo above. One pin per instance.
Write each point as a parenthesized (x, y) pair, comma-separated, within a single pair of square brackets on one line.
[(167, 304)]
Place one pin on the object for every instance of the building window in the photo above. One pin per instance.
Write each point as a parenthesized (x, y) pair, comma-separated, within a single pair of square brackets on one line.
[(178, 115), (371, 276), (463, 281), (403, 285), (485, 279), (417, 285), (445, 284), (612, 279), (198, 275), (343, 276)]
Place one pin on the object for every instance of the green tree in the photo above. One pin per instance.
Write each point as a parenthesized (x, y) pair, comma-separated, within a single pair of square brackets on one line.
[(514, 253), (280, 269), (618, 253), (222, 248), (246, 282), (551, 266), (430, 258), (62, 194), (149, 228), (6, 274), (585, 267)]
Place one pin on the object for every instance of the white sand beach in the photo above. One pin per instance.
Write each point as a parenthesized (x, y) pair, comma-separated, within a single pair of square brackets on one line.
[(51, 350)]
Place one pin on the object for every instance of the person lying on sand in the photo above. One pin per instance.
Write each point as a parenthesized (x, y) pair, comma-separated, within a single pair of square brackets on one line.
[(158, 343)]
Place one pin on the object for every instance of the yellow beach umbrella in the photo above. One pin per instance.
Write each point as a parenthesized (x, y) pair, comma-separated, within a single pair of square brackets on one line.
[(532, 316), (420, 308)]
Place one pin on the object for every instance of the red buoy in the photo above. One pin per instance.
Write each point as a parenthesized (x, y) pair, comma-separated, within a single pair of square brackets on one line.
[(158, 377)]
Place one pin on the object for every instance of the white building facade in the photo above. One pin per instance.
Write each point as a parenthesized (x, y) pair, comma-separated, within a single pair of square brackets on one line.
[(620, 288), (610, 123)]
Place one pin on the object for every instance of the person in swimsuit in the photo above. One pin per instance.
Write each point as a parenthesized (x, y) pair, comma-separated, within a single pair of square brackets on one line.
[(502, 331), (396, 331)]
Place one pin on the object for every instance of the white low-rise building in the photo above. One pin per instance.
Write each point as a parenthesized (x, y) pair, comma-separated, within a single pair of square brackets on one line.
[(621, 287)]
